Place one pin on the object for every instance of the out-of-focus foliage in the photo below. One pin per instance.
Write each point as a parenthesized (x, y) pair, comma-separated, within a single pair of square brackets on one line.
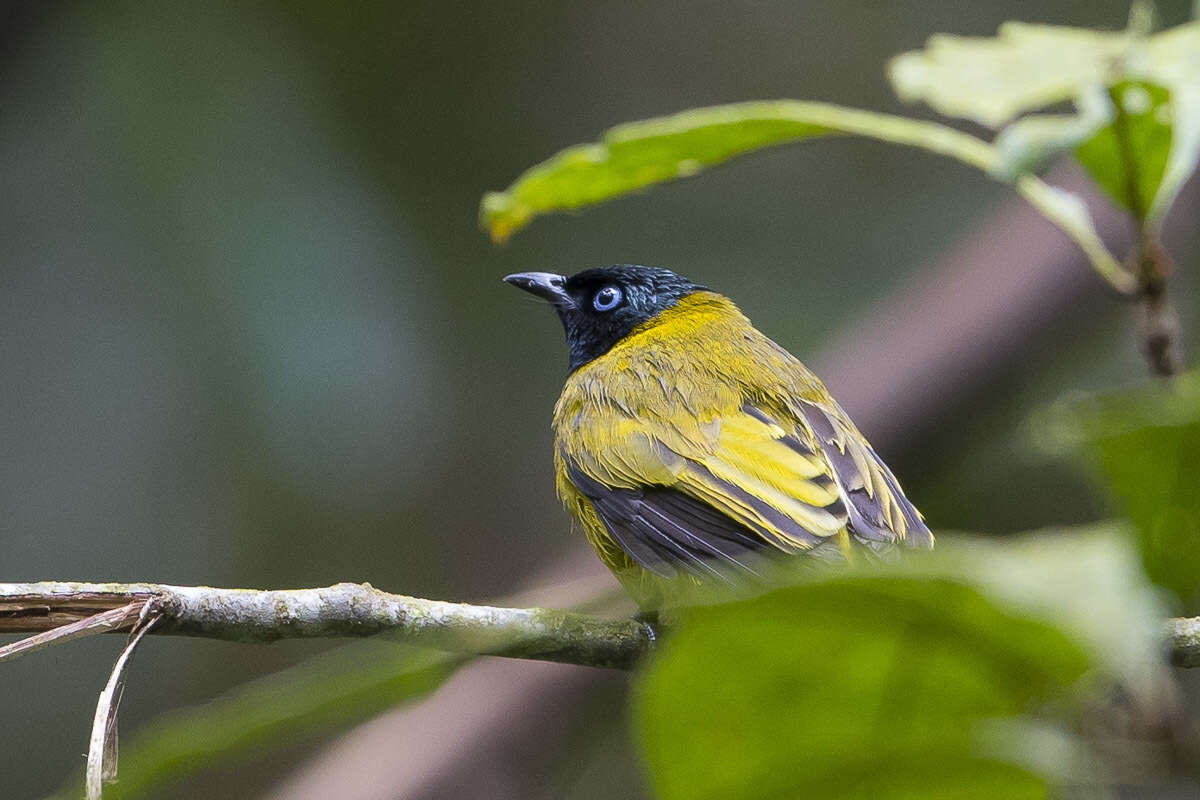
[(344, 686), (1140, 141), (1142, 125), (921, 682), (639, 154), (993, 80), (1132, 85), (1145, 446)]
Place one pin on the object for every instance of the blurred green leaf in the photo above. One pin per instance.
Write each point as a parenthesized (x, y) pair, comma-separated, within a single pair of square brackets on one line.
[(337, 688), (1031, 141), (1143, 127), (914, 682), (1145, 445), (639, 154), (1053, 576), (1023, 68), (1153, 79), (1173, 61)]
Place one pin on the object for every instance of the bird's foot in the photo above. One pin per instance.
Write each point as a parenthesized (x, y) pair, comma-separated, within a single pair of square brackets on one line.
[(649, 621)]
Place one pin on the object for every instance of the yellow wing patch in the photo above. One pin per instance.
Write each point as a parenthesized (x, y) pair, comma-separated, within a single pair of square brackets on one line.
[(766, 478), (769, 478)]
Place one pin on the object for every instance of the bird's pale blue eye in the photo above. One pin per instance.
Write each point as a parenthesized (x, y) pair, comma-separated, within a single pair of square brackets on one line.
[(607, 298)]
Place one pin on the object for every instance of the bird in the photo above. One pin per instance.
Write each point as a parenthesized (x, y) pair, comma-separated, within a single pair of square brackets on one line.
[(693, 450)]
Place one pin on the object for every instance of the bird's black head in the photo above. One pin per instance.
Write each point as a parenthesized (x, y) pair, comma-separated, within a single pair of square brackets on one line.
[(599, 307)]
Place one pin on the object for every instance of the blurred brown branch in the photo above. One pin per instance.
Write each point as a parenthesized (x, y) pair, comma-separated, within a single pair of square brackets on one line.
[(57, 611)]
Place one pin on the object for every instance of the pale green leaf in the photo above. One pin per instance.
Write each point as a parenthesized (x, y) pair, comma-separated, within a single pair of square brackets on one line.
[(1032, 140), (1052, 575), (909, 682), (639, 154), (1173, 60), (1144, 445), (994, 81)]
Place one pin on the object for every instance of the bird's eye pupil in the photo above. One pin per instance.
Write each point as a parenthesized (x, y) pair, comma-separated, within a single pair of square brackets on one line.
[(607, 298)]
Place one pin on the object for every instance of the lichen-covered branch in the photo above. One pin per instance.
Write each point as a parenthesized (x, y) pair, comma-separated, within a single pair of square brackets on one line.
[(346, 609), (56, 611), (1185, 641)]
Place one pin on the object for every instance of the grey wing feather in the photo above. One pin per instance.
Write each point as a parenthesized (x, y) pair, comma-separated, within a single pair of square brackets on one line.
[(664, 530), (878, 509)]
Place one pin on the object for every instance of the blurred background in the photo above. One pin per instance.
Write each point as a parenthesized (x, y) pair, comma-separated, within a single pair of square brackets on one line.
[(251, 334)]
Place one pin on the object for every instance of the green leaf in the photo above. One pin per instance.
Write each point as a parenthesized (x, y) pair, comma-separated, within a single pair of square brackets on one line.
[(1173, 60), (1145, 447), (639, 154), (1128, 157), (1154, 79), (1053, 576), (337, 688), (992, 81), (1031, 141), (917, 683)]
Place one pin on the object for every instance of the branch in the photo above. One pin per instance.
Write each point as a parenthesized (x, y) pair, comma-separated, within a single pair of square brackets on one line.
[(1149, 261), (1160, 323), (60, 610), (1185, 641)]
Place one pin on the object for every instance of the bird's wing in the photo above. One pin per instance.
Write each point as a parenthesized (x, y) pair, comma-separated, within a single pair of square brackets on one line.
[(681, 495), (879, 511), (668, 532), (705, 498)]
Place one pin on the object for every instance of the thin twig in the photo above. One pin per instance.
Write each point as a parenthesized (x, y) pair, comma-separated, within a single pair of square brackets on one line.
[(1149, 262), (102, 744), (346, 609), (1160, 323), (115, 619)]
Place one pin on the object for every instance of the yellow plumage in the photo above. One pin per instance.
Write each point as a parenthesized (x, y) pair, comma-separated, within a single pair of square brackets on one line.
[(694, 442)]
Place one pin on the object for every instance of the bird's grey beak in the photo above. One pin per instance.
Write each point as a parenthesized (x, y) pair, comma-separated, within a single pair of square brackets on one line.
[(546, 285)]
